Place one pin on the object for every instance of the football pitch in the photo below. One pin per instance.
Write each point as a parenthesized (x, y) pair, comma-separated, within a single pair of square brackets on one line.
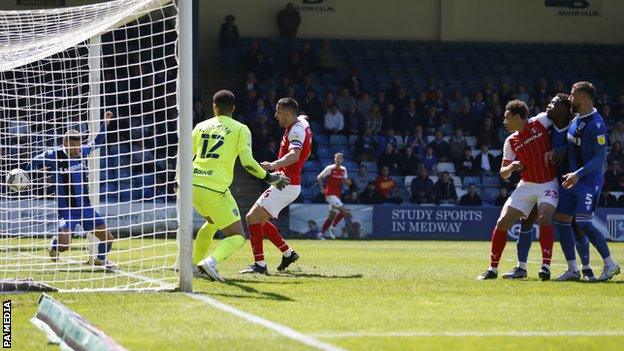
[(358, 295)]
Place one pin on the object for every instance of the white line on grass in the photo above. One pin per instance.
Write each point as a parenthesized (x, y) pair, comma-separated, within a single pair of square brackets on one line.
[(278, 328), (460, 334)]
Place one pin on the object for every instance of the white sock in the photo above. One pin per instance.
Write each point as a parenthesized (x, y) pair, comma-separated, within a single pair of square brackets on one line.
[(609, 262), (522, 265), (586, 266), (495, 270), (261, 263), (211, 261), (287, 253), (572, 266)]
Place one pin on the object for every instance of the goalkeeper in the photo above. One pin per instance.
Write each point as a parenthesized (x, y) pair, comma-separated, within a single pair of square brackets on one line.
[(68, 166), (217, 142)]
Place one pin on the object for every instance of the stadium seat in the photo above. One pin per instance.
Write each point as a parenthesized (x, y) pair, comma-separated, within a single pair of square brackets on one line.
[(309, 178), (434, 179), (338, 139), (408, 181), (446, 167), (491, 181), (399, 180), (472, 141), (471, 180), (490, 193), (320, 139), (311, 166), (351, 167), (345, 149), (324, 151), (324, 162), (460, 193)]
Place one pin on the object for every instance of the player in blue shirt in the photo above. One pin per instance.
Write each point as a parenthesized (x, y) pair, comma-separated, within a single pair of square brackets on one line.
[(67, 165), (586, 154)]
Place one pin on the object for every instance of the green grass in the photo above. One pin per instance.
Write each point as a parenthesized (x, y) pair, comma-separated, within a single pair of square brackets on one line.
[(370, 287)]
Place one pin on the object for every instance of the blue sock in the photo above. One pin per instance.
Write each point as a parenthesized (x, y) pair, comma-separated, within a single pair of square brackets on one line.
[(523, 245), (103, 249), (595, 236), (566, 238)]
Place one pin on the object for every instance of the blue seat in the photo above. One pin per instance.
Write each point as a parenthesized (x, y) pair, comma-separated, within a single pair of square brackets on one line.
[(309, 178), (470, 180), (311, 166), (325, 162), (320, 139), (338, 139), (323, 151), (491, 181), (490, 193), (351, 166), (345, 149)]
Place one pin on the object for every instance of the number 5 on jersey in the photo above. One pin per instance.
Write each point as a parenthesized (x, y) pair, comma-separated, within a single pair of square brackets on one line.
[(205, 153)]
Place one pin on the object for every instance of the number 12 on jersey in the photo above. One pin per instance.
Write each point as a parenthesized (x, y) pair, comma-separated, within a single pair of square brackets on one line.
[(218, 142)]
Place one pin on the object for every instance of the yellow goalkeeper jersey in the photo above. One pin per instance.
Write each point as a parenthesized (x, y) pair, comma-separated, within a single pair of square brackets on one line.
[(216, 144)]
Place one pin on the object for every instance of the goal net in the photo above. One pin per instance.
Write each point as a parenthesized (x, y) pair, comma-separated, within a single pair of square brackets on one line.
[(60, 71)]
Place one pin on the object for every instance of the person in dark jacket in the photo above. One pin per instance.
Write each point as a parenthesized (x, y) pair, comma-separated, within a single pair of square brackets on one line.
[(422, 187), (228, 34), (471, 198), (409, 162), (369, 196), (484, 163), (288, 21), (445, 190)]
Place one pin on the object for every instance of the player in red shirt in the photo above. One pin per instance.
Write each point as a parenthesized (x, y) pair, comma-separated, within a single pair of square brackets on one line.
[(525, 151), (336, 176), (294, 150)]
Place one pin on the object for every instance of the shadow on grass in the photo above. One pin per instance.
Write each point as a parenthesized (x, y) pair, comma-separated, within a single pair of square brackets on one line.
[(317, 275), (266, 281), (258, 293)]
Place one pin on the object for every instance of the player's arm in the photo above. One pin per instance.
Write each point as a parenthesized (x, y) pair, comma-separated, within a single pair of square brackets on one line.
[(598, 141), (252, 166), (99, 139), (509, 165), (296, 137), (319, 178)]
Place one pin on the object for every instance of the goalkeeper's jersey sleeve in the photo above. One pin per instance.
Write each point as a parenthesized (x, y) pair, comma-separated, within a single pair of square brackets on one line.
[(217, 142)]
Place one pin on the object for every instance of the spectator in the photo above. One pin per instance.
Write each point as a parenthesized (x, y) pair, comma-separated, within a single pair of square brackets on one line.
[(361, 178), (607, 199), (503, 195), (267, 152), (534, 109), (431, 120), (381, 100), (365, 146), (307, 57), (488, 134), (505, 94), (407, 119), (487, 92), (430, 162), (228, 34), (522, 95), (364, 105), (284, 86), (261, 68), (198, 113), (431, 88), (260, 113), (455, 103), (334, 120), (422, 106), (457, 144), (353, 121), (605, 112), (441, 148), (465, 166), (445, 190), (613, 177), (471, 198), (439, 103), (352, 83), (294, 69), (477, 108), (540, 94), (251, 83), (384, 185), (619, 108), (466, 121), (401, 100), (388, 138), (250, 57), (329, 100), (375, 119), (344, 100), (409, 162), (304, 87), (417, 141), (312, 106), (617, 134), (313, 231), (494, 106), (288, 21), (616, 153), (326, 61), (422, 188), (388, 160), (393, 92), (484, 162), (370, 196), (351, 197)]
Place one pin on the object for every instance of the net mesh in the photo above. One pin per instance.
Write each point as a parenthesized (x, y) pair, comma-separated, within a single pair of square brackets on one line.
[(60, 70)]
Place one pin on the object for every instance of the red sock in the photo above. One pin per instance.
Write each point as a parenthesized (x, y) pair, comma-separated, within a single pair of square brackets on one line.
[(326, 225), (256, 235), (274, 235), (499, 240), (338, 218), (546, 242)]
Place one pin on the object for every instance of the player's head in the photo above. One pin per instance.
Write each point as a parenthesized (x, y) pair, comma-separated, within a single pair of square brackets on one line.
[(339, 158), (223, 103), (582, 96), (516, 113), (72, 141), (286, 111), (558, 110)]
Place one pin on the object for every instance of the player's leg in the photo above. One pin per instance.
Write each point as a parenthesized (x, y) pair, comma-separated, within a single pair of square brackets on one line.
[(582, 248), (256, 218), (331, 217), (523, 246), (547, 239), (562, 221), (509, 215), (203, 240), (345, 214), (61, 241)]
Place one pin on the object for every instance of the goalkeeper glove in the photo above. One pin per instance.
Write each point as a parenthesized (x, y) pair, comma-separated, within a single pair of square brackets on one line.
[(277, 179)]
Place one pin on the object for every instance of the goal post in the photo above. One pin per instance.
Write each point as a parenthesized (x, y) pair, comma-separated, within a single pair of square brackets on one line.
[(60, 71)]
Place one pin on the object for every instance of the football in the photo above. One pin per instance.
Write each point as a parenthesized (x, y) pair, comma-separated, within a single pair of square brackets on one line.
[(17, 180)]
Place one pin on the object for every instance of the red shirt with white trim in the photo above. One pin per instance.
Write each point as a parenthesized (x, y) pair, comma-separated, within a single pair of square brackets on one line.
[(529, 147), (298, 135), (335, 176)]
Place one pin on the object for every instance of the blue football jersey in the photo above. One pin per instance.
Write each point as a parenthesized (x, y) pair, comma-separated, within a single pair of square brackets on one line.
[(559, 139), (587, 141)]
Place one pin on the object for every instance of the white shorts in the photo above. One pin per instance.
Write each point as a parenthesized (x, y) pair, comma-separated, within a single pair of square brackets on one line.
[(274, 201), (333, 201), (528, 194)]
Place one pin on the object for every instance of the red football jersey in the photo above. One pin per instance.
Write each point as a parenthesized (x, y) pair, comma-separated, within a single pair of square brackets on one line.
[(298, 135), (335, 176), (529, 146)]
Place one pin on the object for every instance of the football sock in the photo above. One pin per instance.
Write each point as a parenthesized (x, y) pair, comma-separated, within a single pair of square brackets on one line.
[(274, 235), (256, 234), (203, 240), (582, 247), (326, 225), (338, 218), (595, 236), (227, 247), (522, 265), (523, 246), (103, 248), (261, 263), (499, 240), (546, 242), (566, 238)]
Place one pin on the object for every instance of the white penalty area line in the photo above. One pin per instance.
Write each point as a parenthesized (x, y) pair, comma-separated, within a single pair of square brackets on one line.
[(278, 328), (461, 334)]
